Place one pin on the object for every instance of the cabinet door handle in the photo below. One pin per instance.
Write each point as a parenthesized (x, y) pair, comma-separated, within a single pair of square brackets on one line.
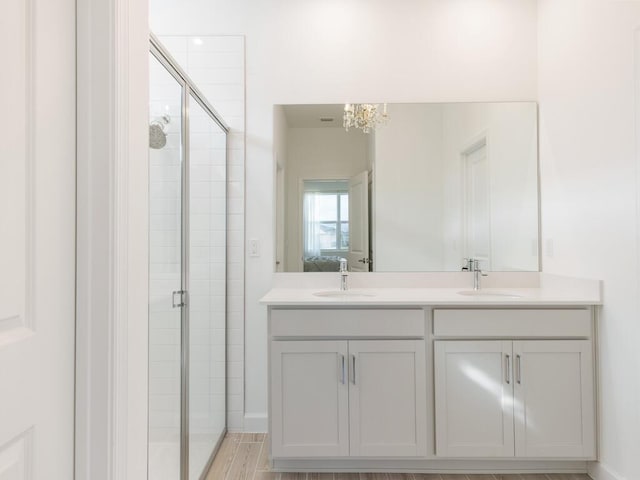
[(507, 367), (343, 371), (353, 369), (518, 374)]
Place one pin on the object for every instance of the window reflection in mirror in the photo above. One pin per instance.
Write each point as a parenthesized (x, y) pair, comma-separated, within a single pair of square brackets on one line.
[(325, 224), (446, 182)]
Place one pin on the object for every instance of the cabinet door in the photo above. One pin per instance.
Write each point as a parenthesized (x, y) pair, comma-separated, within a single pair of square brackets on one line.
[(387, 398), (309, 398), (474, 399), (554, 398)]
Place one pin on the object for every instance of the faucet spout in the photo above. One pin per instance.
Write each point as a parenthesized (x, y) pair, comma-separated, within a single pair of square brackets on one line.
[(344, 274), (477, 273)]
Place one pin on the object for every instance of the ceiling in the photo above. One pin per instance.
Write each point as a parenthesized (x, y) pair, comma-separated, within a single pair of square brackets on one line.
[(308, 116)]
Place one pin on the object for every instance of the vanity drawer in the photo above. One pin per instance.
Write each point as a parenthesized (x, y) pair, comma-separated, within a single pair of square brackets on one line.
[(512, 323), (348, 323)]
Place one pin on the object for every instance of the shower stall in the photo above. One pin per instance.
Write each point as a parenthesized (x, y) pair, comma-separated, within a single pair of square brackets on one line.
[(187, 274)]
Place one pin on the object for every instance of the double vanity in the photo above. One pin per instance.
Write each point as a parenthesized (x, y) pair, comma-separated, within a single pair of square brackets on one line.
[(422, 373)]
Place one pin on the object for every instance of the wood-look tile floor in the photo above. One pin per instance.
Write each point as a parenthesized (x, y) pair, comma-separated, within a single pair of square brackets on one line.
[(244, 456)]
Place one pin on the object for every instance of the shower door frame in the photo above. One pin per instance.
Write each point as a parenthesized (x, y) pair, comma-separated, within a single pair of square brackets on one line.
[(189, 91)]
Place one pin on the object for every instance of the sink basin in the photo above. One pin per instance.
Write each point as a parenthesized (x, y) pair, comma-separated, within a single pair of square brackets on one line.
[(488, 293), (343, 294)]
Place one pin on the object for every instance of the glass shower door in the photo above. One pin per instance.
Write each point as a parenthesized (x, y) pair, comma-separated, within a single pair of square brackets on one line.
[(187, 274), (207, 285), (165, 272)]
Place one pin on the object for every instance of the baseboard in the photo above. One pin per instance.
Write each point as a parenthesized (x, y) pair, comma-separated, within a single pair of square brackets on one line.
[(428, 465), (599, 471), (256, 423)]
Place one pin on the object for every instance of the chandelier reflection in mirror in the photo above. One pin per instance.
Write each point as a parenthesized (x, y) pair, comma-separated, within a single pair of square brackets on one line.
[(365, 116)]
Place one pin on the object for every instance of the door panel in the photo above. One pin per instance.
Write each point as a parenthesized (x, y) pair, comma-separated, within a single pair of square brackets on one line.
[(474, 392), (477, 208), (37, 228), (206, 286), (309, 398), (554, 398), (387, 398), (165, 272), (358, 256)]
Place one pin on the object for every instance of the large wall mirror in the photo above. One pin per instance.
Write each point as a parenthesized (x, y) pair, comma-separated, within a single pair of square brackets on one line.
[(430, 186)]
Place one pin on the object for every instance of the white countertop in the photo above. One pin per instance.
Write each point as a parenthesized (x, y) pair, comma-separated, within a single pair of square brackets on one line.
[(534, 289)]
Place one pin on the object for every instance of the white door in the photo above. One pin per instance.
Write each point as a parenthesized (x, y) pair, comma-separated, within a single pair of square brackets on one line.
[(477, 207), (474, 393), (358, 256), (310, 399), (554, 409), (37, 239), (387, 398), (280, 212)]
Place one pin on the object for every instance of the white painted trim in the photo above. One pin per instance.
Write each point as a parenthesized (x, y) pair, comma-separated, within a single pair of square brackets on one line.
[(256, 423), (430, 465), (636, 93), (111, 342), (598, 471)]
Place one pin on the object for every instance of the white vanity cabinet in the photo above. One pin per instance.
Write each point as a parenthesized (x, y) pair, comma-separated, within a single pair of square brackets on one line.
[(348, 397), (554, 398), (309, 398), (528, 398), (387, 398), (474, 399)]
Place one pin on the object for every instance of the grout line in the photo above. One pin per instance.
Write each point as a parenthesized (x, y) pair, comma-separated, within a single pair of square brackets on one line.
[(255, 472)]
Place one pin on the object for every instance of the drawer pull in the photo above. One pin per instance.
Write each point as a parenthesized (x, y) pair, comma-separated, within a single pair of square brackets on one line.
[(507, 367), (353, 377)]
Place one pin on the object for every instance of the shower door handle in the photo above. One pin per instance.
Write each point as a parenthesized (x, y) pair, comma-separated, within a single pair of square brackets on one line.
[(180, 298)]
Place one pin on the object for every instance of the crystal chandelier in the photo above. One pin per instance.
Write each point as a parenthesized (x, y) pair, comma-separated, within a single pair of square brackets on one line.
[(364, 116)]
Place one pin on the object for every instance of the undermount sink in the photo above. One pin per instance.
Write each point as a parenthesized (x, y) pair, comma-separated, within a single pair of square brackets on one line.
[(488, 293), (343, 294)]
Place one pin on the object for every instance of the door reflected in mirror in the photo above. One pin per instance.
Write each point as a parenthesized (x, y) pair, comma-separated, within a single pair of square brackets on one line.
[(433, 185)]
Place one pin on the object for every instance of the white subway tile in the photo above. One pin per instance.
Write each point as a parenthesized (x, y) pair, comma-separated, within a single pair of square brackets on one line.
[(164, 403), (217, 44), (165, 336), (235, 222), (235, 386), (235, 336), (164, 369), (235, 271), (235, 419), (164, 386)]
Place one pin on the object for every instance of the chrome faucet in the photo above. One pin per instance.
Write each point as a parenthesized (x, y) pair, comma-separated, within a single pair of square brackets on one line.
[(467, 266), (344, 274), (477, 273)]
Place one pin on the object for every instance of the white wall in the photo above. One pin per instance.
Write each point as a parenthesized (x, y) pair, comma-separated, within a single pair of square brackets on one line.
[(316, 154), (408, 190), (589, 161), (332, 51)]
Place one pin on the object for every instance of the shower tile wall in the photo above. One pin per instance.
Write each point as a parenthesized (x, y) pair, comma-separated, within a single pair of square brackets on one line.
[(217, 66)]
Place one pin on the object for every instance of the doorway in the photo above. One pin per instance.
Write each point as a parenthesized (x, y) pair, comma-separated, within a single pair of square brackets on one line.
[(477, 203)]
